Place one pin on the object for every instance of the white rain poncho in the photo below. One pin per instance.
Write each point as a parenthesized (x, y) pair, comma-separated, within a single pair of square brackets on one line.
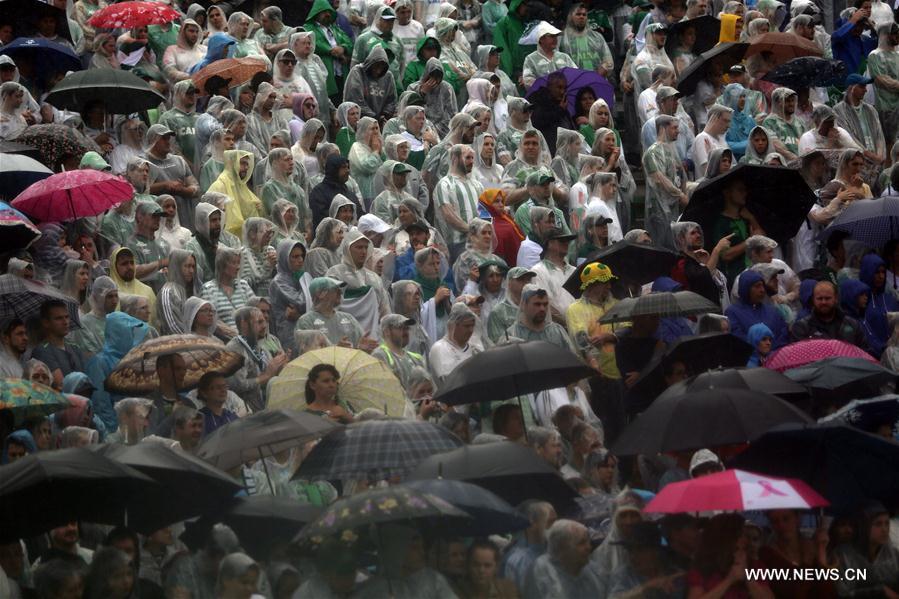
[(288, 288), (384, 204), (176, 291), (478, 249), (312, 69), (89, 338), (665, 184), (440, 102), (364, 296), (364, 161), (260, 129), (487, 171), (255, 267), (569, 146), (324, 250)]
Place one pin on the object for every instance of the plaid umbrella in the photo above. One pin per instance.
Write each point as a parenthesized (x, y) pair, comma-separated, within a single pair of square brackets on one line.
[(664, 305), (120, 91), (16, 231), (263, 434), (55, 142), (376, 450), (811, 350), (127, 15), (782, 46), (22, 299), (808, 71), (872, 222), (869, 414), (726, 54), (25, 399), (237, 70), (73, 194), (135, 373)]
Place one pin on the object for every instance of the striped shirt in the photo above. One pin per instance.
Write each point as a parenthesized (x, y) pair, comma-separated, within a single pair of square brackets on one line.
[(224, 305), (461, 193)]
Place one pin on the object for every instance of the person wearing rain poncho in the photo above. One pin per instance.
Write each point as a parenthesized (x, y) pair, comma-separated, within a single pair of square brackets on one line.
[(484, 93), (182, 283), (712, 137), (453, 58), (239, 24), (364, 296), (169, 172), (371, 86), (397, 147), (311, 69), (273, 35), (203, 245), (406, 29), (380, 33), (508, 35), (335, 181), (288, 291), (287, 80), (782, 124), (182, 118), (406, 300), (170, 233), (453, 347), (130, 133), (534, 322), (734, 97), (427, 48), (758, 146), (604, 192), (509, 140), (665, 182), (233, 183), (339, 327), (586, 47), (122, 334), (324, 250), (531, 154), (303, 150), (860, 119), (488, 68), (456, 199), (651, 56), (365, 156), (280, 185), (545, 59), (257, 257), (348, 114), (124, 274), (76, 281), (417, 133), (432, 274), (104, 297), (487, 170), (569, 145), (285, 216), (185, 53), (696, 270), (599, 117), (265, 119), (479, 249), (117, 225), (332, 44), (539, 187), (220, 140), (439, 97), (883, 67), (394, 175), (404, 573), (826, 134), (226, 291)]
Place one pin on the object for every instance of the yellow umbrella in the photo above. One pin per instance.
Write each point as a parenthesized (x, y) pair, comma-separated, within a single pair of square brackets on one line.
[(365, 382)]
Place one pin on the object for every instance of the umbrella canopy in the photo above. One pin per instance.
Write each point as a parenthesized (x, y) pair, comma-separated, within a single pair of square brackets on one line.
[(705, 419), (726, 55), (380, 506), (508, 371), (631, 262), (23, 16), (734, 490), (490, 513), (869, 415), (872, 222), (847, 466), (808, 71), (365, 382), (263, 522), (376, 450), (20, 298), (128, 15), (663, 304), (54, 142), (237, 70), (755, 379), (73, 194), (121, 92), (811, 350), (510, 470), (263, 434), (577, 80), (50, 488), (17, 172), (707, 28), (25, 399), (698, 353), (46, 56), (849, 377), (16, 231), (135, 374), (782, 46), (766, 186)]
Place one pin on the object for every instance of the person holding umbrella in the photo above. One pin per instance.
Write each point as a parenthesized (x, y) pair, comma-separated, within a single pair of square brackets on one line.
[(696, 269)]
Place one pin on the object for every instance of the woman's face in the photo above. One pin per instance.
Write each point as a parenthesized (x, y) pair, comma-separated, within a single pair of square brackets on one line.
[(345, 214), (243, 587), (726, 162), (337, 236), (406, 216), (296, 258), (40, 376), (609, 143), (169, 208), (494, 281), (303, 47), (205, 316), (430, 268), (417, 122), (290, 217), (247, 97), (352, 117), (108, 46), (232, 268), (484, 237), (880, 530), (121, 582), (487, 149), (759, 143), (309, 109), (82, 277), (142, 174), (402, 152), (142, 310), (484, 122), (374, 136), (586, 101), (189, 269), (688, 37), (855, 166), (741, 103), (379, 266), (324, 386), (141, 34), (602, 116), (608, 189)]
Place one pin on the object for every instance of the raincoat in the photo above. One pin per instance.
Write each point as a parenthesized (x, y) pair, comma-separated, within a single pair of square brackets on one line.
[(178, 58), (751, 156), (322, 195), (884, 63), (364, 162), (376, 97), (288, 288), (225, 305), (324, 250), (346, 136), (459, 191), (489, 174), (259, 129), (587, 47), (255, 268), (384, 205), (200, 246), (364, 296), (313, 71), (244, 203), (323, 44), (372, 37), (537, 64), (173, 294), (742, 315), (650, 57), (741, 123), (786, 131), (881, 302), (440, 103), (335, 328), (306, 144), (279, 186), (862, 123), (123, 333), (507, 35), (507, 87), (89, 338), (665, 182), (132, 287), (473, 255)]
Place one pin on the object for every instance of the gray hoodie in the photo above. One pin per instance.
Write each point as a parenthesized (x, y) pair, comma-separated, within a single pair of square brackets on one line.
[(375, 97), (440, 103), (287, 289)]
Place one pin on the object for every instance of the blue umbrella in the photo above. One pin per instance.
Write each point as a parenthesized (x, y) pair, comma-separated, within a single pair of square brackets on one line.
[(18, 172), (49, 57), (869, 414), (872, 222), (577, 80), (490, 513)]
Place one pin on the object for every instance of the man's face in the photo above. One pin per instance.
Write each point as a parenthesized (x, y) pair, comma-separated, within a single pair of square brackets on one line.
[(468, 160), (150, 221), (825, 126), (7, 73), (65, 536), (757, 293), (260, 324), (359, 251), (215, 225), (579, 18), (880, 277), (551, 452), (124, 266), (343, 173), (548, 43), (463, 331), (386, 25), (541, 192), (399, 336), (790, 105), (530, 148), (404, 15), (672, 131), (191, 432), (244, 166), (57, 322), (217, 391), (557, 85), (17, 340), (191, 33), (163, 145), (576, 553), (763, 256), (536, 308)]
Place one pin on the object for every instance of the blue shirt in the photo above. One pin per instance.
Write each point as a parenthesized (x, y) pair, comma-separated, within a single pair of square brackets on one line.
[(211, 422)]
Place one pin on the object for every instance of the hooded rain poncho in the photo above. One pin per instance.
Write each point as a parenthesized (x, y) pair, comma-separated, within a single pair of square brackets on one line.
[(244, 203)]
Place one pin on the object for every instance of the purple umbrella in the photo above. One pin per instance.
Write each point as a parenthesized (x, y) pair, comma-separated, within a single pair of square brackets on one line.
[(577, 80)]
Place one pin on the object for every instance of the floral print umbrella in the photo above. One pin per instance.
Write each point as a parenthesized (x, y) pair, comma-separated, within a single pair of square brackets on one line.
[(127, 15), (25, 399), (55, 142)]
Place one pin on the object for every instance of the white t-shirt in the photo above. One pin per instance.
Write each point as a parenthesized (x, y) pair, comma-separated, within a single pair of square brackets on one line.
[(702, 148)]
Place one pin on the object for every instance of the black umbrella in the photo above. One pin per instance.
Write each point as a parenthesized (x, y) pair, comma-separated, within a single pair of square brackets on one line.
[(631, 262), (698, 353), (24, 14), (376, 450), (848, 466), (872, 222), (808, 71), (509, 371), (869, 415), (664, 304), (705, 419), (512, 471), (490, 513), (259, 435), (121, 92), (725, 55), (840, 373), (707, 28), (263, 522), (50, 488), (762, 380), (777, 196)]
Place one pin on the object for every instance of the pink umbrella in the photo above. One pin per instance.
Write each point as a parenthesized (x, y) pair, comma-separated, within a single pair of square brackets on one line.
[(735, 490), (73, 194), (127, 15), (811, 350)]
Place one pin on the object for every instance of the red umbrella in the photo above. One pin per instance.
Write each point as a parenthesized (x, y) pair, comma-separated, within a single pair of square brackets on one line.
[(73, 194), (811, 350), (127, 15), (735, 490)]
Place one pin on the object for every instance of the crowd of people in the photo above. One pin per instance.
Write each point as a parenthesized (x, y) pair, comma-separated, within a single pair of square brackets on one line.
[(418, 180)]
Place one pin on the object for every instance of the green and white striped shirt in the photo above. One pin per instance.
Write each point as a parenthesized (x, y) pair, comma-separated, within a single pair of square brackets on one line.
[(225, 306), (462, 194)]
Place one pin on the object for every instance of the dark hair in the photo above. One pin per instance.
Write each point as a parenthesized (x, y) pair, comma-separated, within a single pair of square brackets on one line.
[(501, 416), (258, 79), (556, 76), (313, 376), (121, 533), (104, 562), (580, 96), (835, 239), (9, 325), (50, 305), (52, 574), (484, 544), (719, 538), (206, 379)]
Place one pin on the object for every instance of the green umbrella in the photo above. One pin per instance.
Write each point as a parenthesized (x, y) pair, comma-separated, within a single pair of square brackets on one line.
[(25, 399), (120, 91)]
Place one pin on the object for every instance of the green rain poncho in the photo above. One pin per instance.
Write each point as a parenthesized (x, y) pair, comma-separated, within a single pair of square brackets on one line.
[(786, 131), (506, 35)]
